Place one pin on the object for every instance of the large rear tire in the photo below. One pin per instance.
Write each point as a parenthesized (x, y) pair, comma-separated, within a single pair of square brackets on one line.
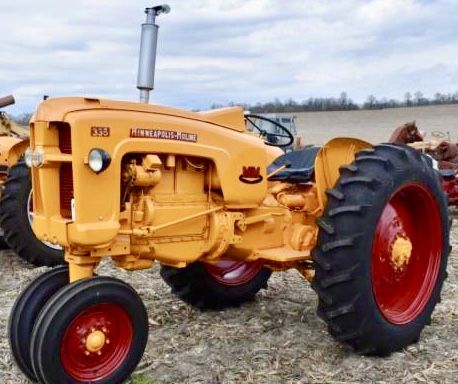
[(382, 250), (217, 286), (16, 222)]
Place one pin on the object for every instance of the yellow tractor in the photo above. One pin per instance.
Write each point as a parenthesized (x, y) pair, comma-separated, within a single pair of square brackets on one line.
[(220, 211), (16, 211)]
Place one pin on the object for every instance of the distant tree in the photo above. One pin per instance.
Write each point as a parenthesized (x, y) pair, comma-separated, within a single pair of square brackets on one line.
[(437, 98), (419, 99), (216, 106), (371, 102), (455, 97), (23, 119), (408, 99), (343, 99)]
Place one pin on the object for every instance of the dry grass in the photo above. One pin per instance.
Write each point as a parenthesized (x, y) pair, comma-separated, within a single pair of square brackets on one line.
[(275, 339)]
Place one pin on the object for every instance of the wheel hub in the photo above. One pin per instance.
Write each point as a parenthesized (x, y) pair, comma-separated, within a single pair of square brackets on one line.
[(401, 252), (233, 273), (95, 341), (406, 253)]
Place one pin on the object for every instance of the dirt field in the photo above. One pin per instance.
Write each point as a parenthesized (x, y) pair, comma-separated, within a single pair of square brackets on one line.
[(275, 339), (376, 126)]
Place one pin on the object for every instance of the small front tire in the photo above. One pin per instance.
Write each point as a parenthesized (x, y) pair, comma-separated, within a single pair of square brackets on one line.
[(25, 312), (97, 329)]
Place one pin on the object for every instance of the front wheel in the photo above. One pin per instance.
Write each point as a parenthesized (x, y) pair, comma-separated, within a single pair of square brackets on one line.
[(217, 286), (382, 250), (91, 331), (25, 312)]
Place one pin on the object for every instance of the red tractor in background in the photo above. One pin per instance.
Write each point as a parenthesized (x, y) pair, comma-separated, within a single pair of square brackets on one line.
[(443, 154)]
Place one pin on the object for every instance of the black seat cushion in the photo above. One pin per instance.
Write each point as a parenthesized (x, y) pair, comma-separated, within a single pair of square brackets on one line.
[(300, 166)]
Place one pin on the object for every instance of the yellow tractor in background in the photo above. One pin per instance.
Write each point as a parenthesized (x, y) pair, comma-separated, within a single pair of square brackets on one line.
[(220, 209), (16, 211)]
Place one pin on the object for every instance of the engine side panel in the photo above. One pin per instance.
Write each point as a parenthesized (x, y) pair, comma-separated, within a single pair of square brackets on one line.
[(239, 159)]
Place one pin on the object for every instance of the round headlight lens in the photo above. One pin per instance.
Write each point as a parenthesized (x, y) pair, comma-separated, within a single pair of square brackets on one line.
[(99, 160), (28, 157), (37, 158)]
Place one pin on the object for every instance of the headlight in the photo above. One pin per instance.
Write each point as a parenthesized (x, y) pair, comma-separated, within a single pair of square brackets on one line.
[(37, 158), (99, 160), (28, 157), (33, 158)]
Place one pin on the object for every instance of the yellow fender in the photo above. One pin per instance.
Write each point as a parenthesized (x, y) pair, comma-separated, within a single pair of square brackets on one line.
[(16, 151), (332, 155), (10, 148)]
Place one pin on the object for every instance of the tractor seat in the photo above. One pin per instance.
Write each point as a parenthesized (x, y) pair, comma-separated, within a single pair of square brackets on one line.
[(301, 166)]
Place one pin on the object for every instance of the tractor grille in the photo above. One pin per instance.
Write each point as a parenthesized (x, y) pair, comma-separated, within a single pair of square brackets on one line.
[(66, 190), (65, 138)]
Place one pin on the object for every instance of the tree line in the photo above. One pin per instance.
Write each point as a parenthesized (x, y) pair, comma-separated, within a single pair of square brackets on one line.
[(345, 103), (316, 104)]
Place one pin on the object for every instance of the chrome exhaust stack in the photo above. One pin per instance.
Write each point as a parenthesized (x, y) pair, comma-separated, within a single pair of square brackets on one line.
[(148, 47)]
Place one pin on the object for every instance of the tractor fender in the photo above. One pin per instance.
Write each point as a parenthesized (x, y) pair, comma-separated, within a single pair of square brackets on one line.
[(273, 153), (11, 149), (335, 153)]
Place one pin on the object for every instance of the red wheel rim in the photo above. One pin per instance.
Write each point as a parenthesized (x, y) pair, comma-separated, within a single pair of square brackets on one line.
[(97, 364), (402, 287), (233, 273)]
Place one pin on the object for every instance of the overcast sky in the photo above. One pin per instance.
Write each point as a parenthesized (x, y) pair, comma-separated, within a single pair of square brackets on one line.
[(216, 51)]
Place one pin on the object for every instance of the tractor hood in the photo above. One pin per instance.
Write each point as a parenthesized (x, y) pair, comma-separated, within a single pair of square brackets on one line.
[(56, 109)]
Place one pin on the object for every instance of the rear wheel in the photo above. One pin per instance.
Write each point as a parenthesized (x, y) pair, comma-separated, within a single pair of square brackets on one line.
[(16, 216), (382, 250), (97, 329), (217, 286)]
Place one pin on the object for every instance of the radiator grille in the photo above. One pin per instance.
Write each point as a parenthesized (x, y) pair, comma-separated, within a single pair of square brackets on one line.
[(66, 190), (65, 139)]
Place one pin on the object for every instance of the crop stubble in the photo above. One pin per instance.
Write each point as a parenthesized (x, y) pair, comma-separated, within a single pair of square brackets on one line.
[(275, 339)]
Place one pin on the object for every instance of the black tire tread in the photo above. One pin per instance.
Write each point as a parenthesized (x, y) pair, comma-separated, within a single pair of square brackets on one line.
[(74, 295), (195, 286), (13, 219), (26, 310), (342, 229)]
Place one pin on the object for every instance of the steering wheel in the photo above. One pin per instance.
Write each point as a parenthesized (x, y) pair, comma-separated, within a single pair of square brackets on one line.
[(283, 138), (438, 134)]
